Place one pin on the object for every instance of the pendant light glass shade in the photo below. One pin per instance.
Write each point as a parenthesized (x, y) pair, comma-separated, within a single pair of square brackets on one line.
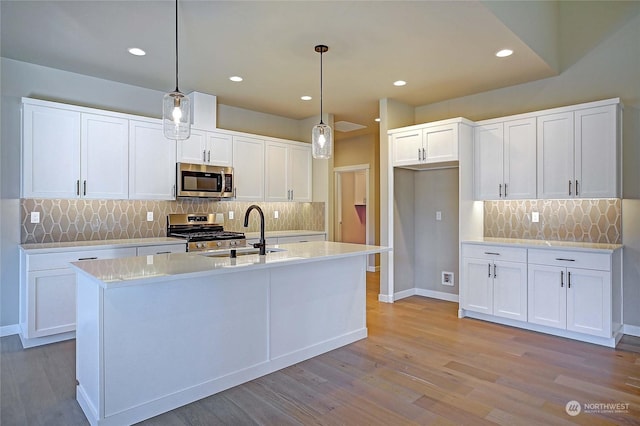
[(176, 107), (176, 116), (322, 141), (321, 135)]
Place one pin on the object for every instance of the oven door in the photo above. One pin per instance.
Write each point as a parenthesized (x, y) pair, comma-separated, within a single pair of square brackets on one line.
[(199, 180)]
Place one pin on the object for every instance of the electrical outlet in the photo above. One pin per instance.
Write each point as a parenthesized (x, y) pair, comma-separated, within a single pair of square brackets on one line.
[(438, 215), (149, 216), (230, 214), (276, 214), (447, 278), (35, 217), (535, 217)]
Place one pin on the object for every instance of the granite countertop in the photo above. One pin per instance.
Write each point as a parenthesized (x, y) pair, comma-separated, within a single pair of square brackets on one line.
[(546, 244), (34, 248), (149, 269)]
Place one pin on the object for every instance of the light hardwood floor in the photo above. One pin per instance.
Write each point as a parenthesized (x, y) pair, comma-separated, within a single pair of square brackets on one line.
[(419, 365)]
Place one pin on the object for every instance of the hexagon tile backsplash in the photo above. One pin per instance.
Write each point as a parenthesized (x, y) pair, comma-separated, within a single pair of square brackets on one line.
[(64, 220), (591, 220)]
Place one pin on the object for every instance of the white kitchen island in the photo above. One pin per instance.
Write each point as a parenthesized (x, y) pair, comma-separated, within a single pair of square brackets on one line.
[(158, 332)]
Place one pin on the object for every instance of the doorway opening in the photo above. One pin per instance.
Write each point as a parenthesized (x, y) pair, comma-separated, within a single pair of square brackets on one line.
[(351, 219)]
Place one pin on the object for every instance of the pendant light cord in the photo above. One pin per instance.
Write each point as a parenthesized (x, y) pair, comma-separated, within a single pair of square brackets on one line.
[(177, 46), (321, 52)]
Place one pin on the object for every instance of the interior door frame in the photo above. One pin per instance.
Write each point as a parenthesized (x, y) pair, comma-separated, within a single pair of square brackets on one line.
[(337, 229)]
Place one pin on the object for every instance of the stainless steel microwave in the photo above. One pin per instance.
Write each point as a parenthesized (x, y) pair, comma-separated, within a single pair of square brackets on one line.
[(200, 180)]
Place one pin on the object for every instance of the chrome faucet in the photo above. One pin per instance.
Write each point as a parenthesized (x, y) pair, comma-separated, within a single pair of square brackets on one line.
[(262, 245)]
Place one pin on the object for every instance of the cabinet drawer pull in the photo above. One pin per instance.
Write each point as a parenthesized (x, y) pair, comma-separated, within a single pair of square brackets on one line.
[(565, 260), (492, 253), (561, 278), (88, 258), (163, 252), (569, 279)]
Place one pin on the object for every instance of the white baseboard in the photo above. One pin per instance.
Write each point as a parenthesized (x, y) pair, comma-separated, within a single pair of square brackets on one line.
[(385, 298), (631, 330), (426, 293), (437, 295), (9, 330), (373, 268)]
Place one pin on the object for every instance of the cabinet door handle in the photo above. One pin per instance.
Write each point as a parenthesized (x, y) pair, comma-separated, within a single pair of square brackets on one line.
[(87, 258), (292, 195), (489, 265), (500, 190), (561, 278), (569, 279), (565, 260), (577, 187), (569, 187), (505, 190), (424, 155), (78, 187), (492, 253), (173, 191), (209, 156), (235, 189), (204, 155), (495, 271), (84, 191), (419, 155)]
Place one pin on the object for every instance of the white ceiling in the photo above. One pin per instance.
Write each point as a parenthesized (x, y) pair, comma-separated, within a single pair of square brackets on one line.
[(442, 49)]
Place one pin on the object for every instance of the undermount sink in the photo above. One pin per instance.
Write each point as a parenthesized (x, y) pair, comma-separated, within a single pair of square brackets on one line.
[(240, 252)]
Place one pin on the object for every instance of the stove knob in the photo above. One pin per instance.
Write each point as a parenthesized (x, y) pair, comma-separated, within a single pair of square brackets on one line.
[(233, 243), (218, 243), (199, 245)]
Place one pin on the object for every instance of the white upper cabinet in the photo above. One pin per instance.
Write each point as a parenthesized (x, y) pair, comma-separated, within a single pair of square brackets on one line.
[(579, 153), (152, 159), (248, 165), (287, 171), (68, 153), (427, 144), (205, 147), (51, 152), (505, 160), (104, 157)]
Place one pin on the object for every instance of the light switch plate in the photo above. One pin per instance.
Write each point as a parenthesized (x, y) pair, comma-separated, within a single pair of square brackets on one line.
[(149, 216), (535, 217), (35, 217), (438, 215), (230, 214), (276, 214)]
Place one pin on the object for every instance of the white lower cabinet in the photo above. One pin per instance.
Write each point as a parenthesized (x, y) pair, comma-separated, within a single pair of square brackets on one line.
[(571, 293), (566, 297), (48, 289), (495, 281)]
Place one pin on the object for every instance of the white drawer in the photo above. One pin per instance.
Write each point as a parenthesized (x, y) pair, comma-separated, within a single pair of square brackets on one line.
[(38, 262), (571, 259), (510, 254), (161, 249)]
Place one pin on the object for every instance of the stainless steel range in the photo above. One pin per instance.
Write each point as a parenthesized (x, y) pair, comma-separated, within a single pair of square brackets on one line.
[(202, 232)]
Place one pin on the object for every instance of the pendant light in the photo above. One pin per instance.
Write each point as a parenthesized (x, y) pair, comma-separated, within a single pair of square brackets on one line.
[(321, 136), (176, 107)]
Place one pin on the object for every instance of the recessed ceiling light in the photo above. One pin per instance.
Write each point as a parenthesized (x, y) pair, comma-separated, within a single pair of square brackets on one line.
[(504, 53), (137, 51), (306, 98), (399, 83), (235, 78), (377, 119)]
